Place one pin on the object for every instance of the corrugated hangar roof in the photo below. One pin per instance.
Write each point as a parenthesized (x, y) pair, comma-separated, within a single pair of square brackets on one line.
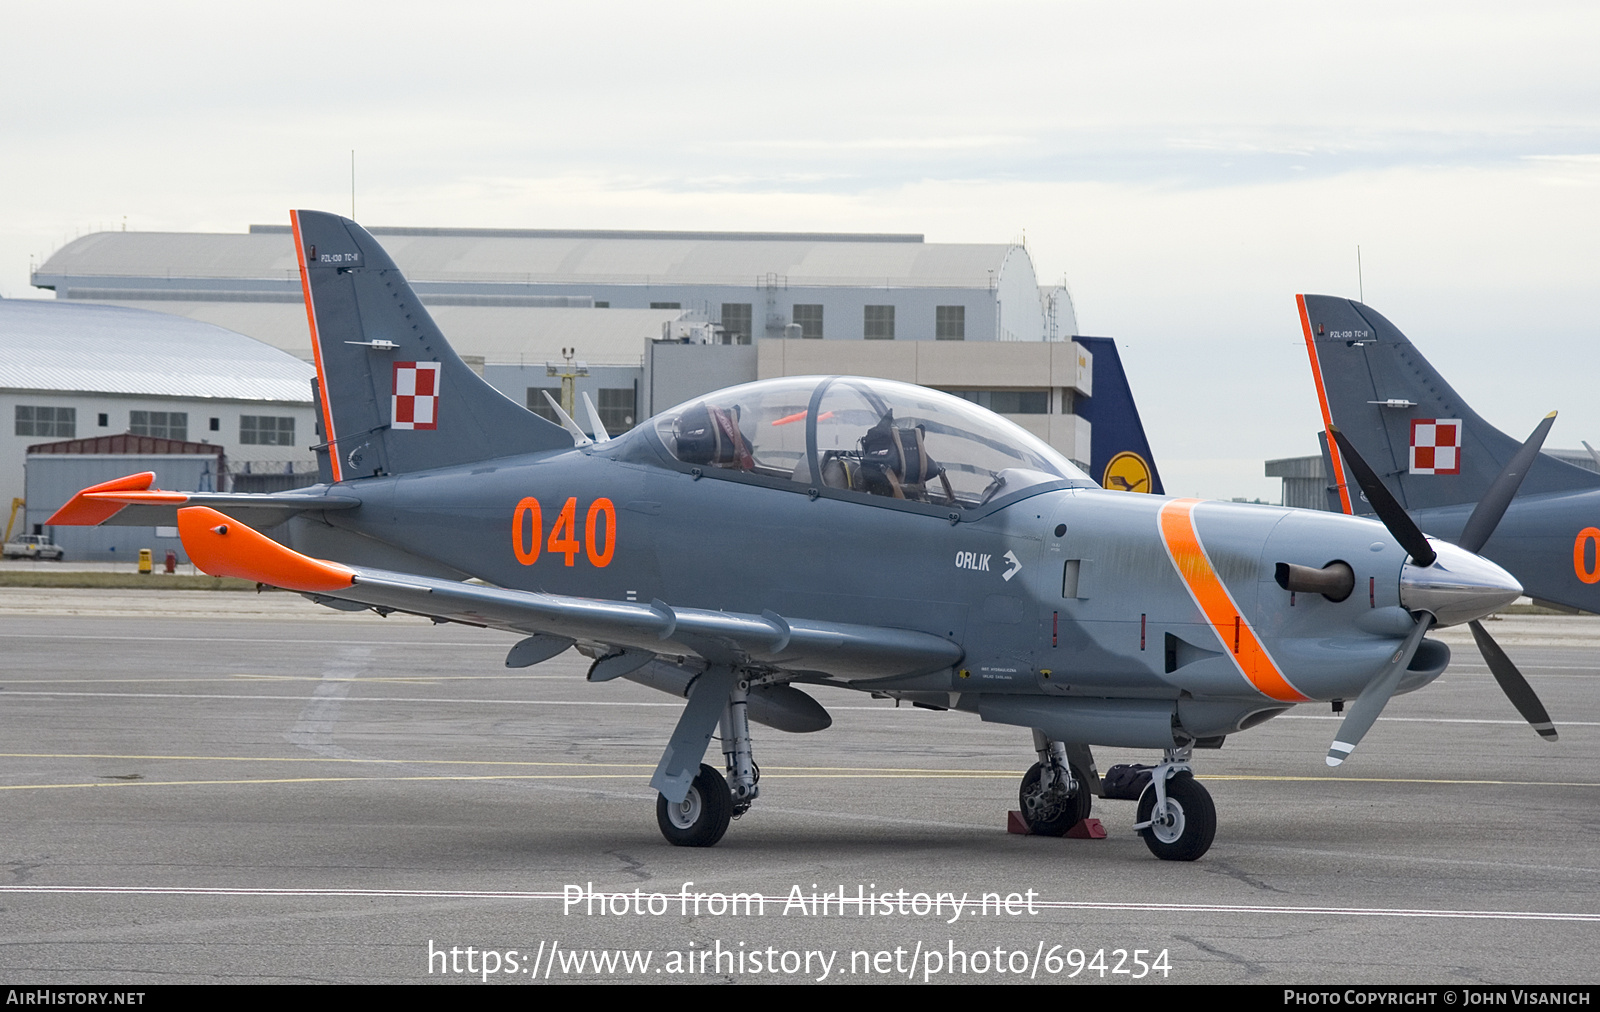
[(48, 345), (530, 256), (500, 335)]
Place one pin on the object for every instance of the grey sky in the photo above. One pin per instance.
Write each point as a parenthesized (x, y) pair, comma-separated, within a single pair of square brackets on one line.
[(1186, 167)]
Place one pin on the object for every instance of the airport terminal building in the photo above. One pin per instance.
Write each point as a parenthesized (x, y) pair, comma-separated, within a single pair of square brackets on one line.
[(655, 317)]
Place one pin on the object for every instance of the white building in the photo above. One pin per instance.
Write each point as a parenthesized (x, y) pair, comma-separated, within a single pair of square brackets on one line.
[(83, 371), (510, 300)]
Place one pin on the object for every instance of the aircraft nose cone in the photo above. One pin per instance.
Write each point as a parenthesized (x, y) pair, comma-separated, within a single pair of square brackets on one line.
[(1458, 587)]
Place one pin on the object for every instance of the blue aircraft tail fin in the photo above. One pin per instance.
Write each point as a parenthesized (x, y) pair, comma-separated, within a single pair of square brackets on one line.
[(1415, 431), (1120, 456), (394, 396)]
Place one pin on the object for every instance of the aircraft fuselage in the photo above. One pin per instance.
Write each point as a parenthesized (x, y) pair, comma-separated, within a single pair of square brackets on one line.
[(1033, 591)]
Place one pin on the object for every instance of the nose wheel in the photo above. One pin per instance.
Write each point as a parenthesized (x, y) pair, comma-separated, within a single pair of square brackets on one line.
[(702, 817), (1178, 823)]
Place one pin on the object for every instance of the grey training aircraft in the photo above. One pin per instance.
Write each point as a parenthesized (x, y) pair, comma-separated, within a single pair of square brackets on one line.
[(826, 530), (1456, 475)]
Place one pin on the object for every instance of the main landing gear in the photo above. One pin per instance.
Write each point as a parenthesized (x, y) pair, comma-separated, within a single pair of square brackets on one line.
[(1054, 795), (701, 818), (1176, 816)]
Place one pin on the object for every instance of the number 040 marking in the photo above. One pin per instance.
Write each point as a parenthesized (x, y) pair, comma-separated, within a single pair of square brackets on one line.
[(528, 537), (1585, 547)]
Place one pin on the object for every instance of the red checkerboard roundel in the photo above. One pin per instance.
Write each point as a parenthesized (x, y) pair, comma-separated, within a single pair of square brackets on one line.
[(1435, 446), (416, 395)]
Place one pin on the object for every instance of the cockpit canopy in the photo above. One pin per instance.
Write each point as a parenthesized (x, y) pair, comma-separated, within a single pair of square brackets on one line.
[(872, 436)]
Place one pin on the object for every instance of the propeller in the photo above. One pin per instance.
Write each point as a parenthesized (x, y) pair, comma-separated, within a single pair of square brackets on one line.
[(1390, 513), (1486, 515), (1364, 711), (1479, 528)]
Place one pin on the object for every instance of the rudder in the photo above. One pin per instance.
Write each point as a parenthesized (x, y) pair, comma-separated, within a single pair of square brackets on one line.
[(395, 397), (1416, 432), (1120, 456)]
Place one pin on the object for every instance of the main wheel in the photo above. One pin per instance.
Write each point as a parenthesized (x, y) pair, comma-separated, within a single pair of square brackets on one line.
[(1053, 812), (703, 816), (1185, 830)]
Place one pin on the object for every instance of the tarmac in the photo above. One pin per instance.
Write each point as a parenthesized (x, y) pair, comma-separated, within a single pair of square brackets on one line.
[(243, 788)]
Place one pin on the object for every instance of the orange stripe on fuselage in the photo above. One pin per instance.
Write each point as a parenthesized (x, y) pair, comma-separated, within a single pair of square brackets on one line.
[(1327, 416), (1232, 628), (328, 436)]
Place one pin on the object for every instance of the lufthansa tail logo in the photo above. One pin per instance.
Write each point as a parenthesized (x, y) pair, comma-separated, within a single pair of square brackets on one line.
[(1127, 472)]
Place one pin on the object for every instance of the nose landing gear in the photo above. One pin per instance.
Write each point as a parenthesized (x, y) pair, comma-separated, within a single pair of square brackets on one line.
[(1176, 815)]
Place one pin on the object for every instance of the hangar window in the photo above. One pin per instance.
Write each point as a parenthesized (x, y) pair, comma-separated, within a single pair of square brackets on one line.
[(950, 323), (266, 430), (42, 421), (1009, 402), (809, 319), (164, 424), (878, 323), (616, 409), (736, 322), (666, 305), (539, 406)]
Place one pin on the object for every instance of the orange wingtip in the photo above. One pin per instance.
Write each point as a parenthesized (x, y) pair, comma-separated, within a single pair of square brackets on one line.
[(222, 546), (86, 509)]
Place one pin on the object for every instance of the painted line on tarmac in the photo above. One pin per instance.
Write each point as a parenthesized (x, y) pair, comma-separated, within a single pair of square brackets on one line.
[(332, 639), (464, 777), (1436, 720), (774, 774), (602, 702), (788, 770), (241, 698), (234, 678), (554, 897)]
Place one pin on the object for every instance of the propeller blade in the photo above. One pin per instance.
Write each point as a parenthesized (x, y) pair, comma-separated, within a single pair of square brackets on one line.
[(1400, 525), (1486, 515), (1364, 711), (1512, 683)]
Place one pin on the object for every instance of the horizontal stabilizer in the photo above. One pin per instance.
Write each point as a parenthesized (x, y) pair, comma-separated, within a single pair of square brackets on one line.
[(86, 509), (98, 504)]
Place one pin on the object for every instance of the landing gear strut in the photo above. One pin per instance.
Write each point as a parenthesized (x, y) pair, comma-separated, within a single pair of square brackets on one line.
[(1054, 795), (1176, 816), (743, 773), (702, 817)]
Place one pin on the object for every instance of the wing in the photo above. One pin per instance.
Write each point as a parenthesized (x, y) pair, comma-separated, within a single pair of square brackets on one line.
[(130, 501), (222, 546)]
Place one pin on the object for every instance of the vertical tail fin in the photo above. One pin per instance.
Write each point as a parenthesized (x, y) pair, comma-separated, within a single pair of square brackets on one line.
[(395, 397), (1120, 456), (1416, 432)]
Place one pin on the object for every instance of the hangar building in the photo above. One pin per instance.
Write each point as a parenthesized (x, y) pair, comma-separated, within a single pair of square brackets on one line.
[(657, 317), (78, 372)]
